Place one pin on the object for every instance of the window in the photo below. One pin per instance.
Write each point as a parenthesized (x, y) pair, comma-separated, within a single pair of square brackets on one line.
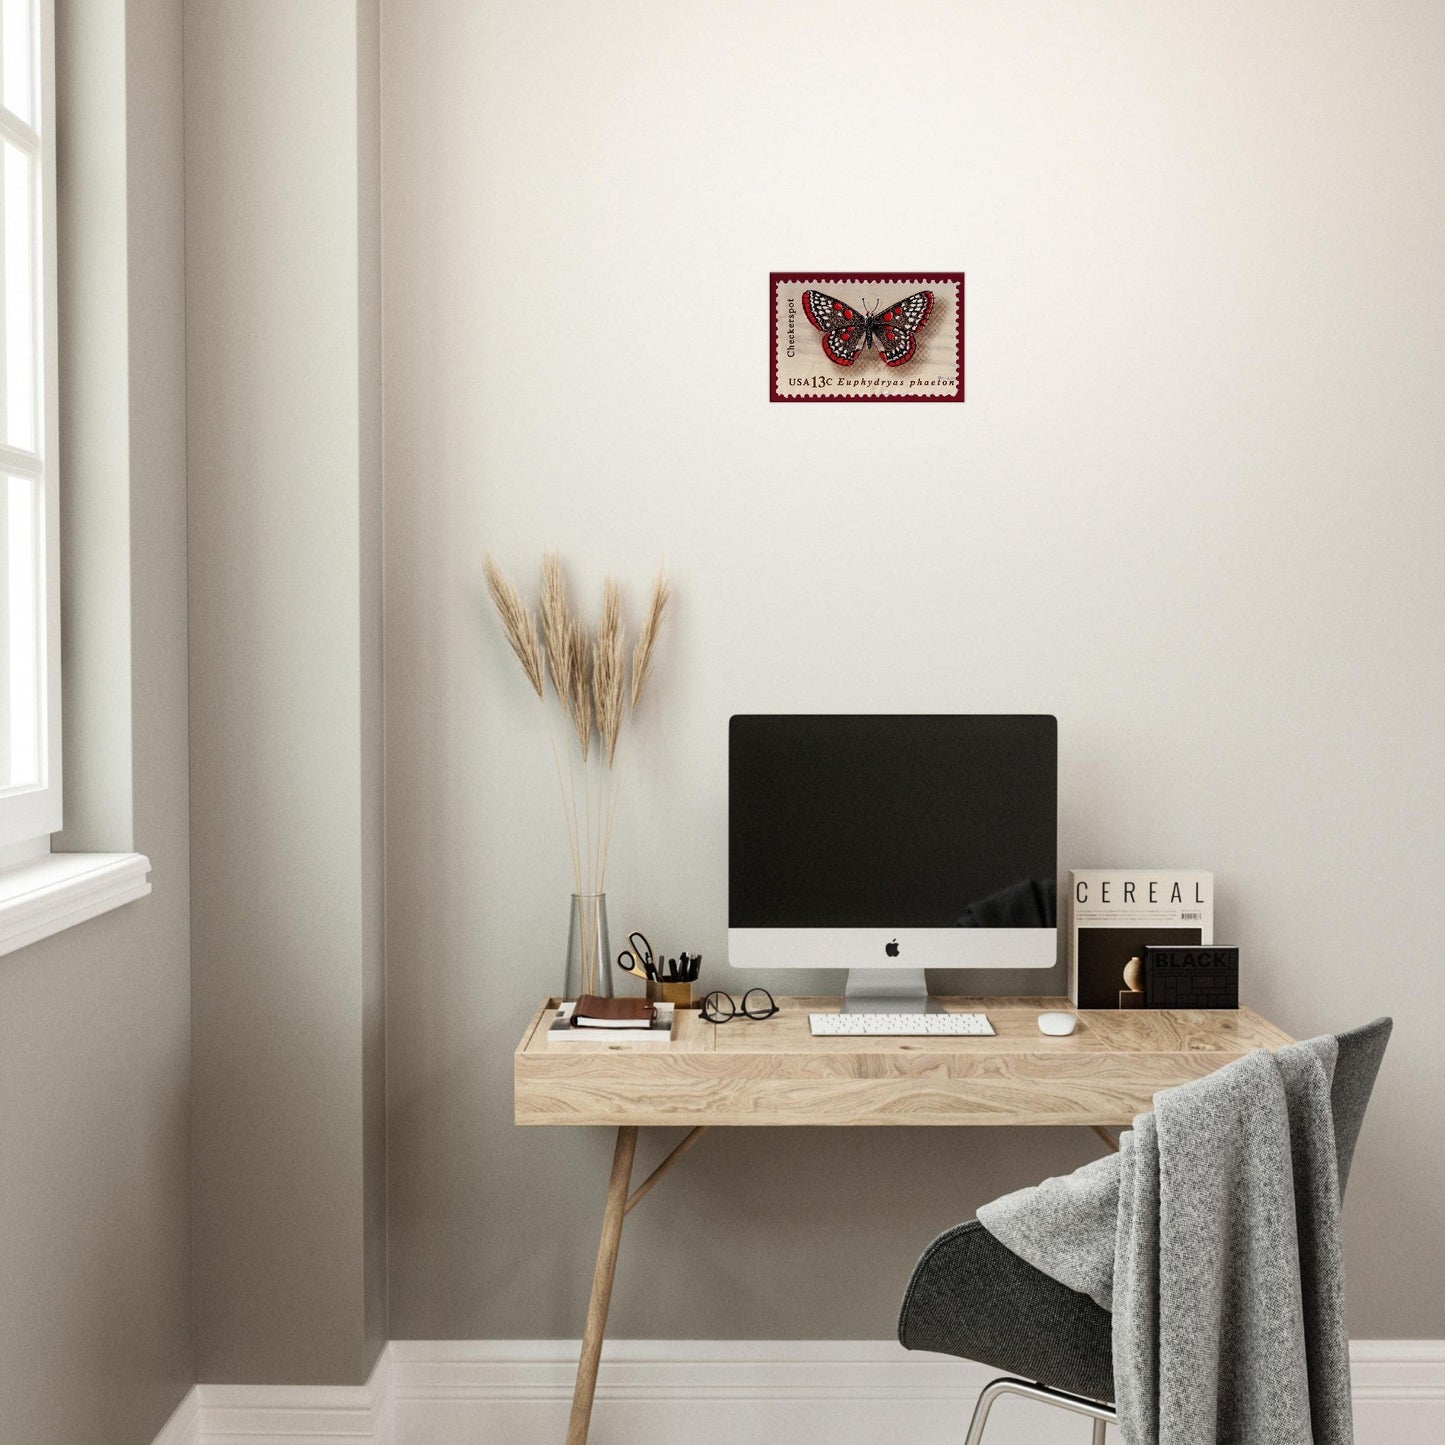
[(30, 804), (41, 893)]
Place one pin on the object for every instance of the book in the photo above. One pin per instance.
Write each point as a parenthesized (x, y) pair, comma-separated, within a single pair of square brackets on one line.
[(561, 1030), (594, 1012), (1184, 976), (1115, 913)]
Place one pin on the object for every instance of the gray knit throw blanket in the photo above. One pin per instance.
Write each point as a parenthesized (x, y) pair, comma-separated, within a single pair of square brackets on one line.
[(1214, 1237)]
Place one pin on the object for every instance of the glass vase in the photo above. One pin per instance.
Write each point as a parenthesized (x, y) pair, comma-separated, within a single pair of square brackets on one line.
[(589, 955)]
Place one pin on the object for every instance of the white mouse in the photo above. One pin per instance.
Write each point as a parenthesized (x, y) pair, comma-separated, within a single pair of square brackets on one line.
[(1057, 1024)]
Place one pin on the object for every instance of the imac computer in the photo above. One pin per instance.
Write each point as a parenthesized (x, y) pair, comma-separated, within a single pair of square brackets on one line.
[(890, 844)]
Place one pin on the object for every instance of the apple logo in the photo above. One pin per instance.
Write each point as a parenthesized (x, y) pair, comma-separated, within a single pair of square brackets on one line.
[(891, 949)]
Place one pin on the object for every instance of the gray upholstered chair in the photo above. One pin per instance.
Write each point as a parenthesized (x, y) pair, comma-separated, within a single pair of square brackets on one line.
[(972, 1297)]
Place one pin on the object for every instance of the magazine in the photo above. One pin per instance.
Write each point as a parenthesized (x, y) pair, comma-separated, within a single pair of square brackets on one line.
[(1115, 912)]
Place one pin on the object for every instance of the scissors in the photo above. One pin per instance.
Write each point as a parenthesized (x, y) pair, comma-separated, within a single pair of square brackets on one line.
[(637, 958)]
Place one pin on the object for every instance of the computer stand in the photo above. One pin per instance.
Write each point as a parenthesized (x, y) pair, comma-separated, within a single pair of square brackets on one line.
[(887, 991)]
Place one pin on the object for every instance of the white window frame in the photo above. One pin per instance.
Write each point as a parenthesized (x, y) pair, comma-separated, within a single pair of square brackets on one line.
[(42, 892), (30, 814)]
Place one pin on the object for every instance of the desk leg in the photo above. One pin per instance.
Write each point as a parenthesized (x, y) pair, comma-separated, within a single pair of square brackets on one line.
[(612, 1215)]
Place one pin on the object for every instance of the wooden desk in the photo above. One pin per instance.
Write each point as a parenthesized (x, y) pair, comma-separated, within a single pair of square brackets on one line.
[(773, 1072)]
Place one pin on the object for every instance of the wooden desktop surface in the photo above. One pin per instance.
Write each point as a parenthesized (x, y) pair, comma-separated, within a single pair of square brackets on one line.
[(773, 1072)]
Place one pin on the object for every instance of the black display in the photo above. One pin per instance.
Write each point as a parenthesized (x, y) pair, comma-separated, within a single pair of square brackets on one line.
[(916, 821)]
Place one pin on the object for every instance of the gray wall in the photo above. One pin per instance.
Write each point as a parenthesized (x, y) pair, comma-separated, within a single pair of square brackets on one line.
[(282, 312), (1192, 506), (95, 1337)]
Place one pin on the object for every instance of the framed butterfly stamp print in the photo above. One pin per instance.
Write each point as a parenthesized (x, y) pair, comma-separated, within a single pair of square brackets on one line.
[(866, 336)]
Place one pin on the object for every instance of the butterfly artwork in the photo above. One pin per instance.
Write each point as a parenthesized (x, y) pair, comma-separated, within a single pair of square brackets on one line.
[(848, 333)]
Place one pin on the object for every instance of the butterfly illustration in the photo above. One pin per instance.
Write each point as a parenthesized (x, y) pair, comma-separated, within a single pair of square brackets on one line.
[(846, 333)]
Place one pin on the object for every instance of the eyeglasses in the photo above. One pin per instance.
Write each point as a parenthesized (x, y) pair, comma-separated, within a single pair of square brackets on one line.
[(719, 1008)]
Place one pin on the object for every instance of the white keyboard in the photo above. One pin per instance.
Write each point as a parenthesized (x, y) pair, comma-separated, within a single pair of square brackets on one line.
[(900, 1025)]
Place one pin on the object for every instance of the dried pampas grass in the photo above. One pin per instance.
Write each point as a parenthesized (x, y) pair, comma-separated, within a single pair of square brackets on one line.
[(556, 624), (579, 685), (589, 680), (517, 622), (609, 667), (647, 638)]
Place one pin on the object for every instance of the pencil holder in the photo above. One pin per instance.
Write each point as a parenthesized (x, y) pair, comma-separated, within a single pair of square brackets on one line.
[(679, 994)]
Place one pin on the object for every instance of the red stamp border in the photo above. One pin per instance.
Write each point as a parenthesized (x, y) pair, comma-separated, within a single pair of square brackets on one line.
[(842, 278)]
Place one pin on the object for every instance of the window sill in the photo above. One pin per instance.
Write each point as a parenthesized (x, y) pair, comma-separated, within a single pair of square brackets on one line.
[(59, 890)]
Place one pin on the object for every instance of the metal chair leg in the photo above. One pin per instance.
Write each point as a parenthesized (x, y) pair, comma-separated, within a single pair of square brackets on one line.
[(1096, 1410), (989, 1394)]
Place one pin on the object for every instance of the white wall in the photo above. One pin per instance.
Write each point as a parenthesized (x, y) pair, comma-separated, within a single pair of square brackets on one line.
[(1192, 505)]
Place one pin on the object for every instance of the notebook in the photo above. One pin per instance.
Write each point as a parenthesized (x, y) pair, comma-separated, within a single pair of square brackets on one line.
[(594, 1012), (561, 1031)]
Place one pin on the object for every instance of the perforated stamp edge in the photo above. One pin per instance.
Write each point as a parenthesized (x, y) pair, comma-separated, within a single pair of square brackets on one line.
[(905, 279)]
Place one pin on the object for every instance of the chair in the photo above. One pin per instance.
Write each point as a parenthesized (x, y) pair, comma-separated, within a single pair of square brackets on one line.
[(971, 1296)]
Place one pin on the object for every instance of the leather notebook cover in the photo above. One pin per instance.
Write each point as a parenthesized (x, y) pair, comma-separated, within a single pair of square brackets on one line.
[(595, 1012)]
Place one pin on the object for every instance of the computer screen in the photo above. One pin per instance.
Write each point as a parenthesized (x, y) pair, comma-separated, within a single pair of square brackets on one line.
[(886, 822)]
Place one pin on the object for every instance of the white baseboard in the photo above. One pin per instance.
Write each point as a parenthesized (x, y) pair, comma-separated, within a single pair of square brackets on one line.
[(1398, 1389), (714, 1392), (184, 1427)]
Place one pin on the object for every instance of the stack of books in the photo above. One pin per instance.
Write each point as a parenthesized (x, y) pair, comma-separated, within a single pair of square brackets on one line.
[(593, 1028)]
